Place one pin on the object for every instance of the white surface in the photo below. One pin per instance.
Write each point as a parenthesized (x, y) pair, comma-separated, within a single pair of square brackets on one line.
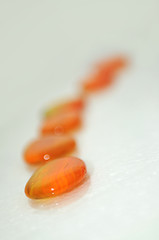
[(46, 47)]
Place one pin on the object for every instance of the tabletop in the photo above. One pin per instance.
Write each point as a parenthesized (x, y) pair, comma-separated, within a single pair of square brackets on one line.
[(46, 49)]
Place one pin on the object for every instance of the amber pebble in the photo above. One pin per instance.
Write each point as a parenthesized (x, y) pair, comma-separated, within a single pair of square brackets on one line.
[(56, 177), (97, 82), (49, 147), (113, 65), (76, 104), (61, 123), (105, 74)]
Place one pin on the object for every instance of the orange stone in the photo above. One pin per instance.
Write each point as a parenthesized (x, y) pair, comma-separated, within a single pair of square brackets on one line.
[(113, 65), (105, 74), (61, 123), (56, 177), (76, 104), (49, 147), (99, 81)]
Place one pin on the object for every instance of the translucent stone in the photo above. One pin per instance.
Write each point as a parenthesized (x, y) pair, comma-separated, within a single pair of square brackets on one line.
[(76, 104), (49, 147), (61, 123), (105, 73), (56, 177)]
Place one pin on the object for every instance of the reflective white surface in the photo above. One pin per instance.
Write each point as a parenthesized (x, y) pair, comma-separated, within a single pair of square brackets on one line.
[(46, 48)]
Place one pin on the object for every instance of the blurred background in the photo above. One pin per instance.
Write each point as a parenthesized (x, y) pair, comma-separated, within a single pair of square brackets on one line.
[(46, 48)]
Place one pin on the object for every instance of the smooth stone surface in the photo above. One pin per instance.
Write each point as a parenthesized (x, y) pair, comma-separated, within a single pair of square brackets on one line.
[(55, 178), (49, 147), (61, 123), (105, 74), (76, 104)]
